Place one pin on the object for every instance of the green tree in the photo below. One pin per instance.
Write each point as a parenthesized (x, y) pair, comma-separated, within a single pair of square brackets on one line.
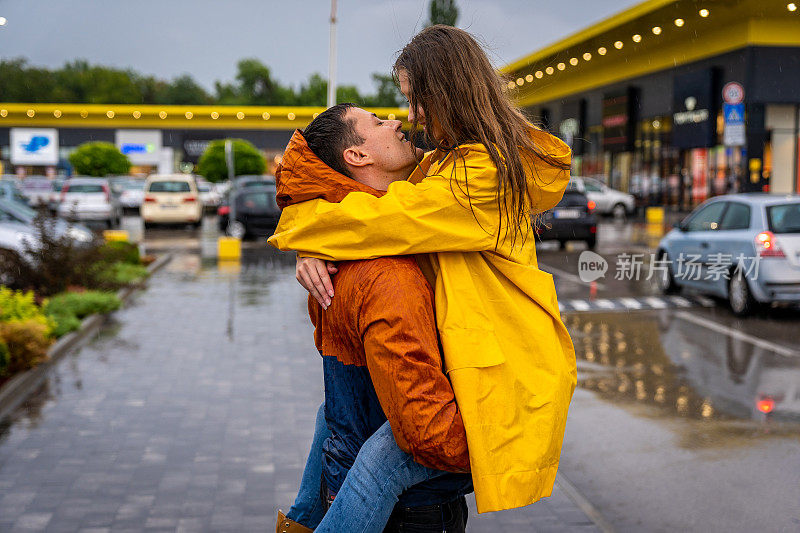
[(247, 159), (443, 12), (184, 91), (387, 93), (99, 159)]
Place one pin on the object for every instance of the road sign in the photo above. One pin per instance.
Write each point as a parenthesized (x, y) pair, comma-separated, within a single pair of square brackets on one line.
[(733, 93), (734, 125)]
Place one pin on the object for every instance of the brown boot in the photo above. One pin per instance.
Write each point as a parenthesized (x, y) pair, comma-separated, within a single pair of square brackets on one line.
[(285, 525)]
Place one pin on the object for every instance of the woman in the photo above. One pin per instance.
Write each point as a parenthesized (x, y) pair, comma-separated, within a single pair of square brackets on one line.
[(467, 210)]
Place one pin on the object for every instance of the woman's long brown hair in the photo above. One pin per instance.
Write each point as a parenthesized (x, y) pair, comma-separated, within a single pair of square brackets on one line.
[(453, 82)]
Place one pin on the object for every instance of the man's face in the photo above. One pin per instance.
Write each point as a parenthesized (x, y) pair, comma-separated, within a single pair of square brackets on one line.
[(385, 145)]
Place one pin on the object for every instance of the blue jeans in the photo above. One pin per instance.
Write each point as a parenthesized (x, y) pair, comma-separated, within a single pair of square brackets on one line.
[(364, 503)]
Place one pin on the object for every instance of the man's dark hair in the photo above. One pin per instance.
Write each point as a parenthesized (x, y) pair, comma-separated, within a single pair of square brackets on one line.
[(330, 134)]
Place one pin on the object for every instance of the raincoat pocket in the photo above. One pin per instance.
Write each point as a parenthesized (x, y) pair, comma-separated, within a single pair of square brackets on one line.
[(470, 348)]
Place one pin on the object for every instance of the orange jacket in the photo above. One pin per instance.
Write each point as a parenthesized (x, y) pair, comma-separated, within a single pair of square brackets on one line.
[(383, 318)]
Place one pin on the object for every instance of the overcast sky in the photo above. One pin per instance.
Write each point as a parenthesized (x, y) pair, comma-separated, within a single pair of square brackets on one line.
[(205, 38)]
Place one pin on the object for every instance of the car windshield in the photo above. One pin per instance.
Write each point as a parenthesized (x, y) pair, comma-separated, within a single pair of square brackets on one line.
[(204, 188), (170, 186), (18, 211), (84, 187), (784, 218), (37, 184)]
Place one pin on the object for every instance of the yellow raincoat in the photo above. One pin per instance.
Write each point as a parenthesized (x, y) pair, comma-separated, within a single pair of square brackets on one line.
[(507, 353)]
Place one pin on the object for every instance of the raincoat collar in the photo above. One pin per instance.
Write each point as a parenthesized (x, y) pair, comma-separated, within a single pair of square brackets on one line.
[(302, 176)]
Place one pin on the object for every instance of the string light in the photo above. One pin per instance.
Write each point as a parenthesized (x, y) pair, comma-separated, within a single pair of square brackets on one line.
[(137, 114), (520, 81), (162, 115), (529, 78), (214, 115), (561, 66), (704, 13), (587, 56), (189, 115), (602, 50), (291, 116), (549, 70), (265, 115), (618, 45), (573, 61), (637, 38), (57, 113), (240, 115), (30, 113), (679, 22), (656, 30), (539, 74)]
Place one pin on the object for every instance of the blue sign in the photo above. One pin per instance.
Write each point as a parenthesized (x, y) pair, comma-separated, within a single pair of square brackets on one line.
[(36, 143), (734, 125), (136, 148)]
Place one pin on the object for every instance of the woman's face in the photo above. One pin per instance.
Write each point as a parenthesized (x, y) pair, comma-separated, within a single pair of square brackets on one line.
[(414, 110)]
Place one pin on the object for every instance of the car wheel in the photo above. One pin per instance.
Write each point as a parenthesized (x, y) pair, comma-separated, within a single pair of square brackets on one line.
[(591, 243), (562, 245), (198, 224), (619, 211), (148, 225), (237, 229), (739, 296), (665, 280)]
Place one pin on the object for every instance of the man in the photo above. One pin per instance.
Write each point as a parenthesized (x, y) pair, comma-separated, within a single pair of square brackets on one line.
[(378, 337)]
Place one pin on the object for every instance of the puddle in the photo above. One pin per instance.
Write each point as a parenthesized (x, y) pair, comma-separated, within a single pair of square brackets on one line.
[(685, 370)]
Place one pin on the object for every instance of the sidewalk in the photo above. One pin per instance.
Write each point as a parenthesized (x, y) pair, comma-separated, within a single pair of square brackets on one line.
[(179, 419)]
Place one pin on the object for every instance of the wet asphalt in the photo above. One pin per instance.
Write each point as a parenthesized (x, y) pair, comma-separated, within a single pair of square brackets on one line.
[(667, 429)]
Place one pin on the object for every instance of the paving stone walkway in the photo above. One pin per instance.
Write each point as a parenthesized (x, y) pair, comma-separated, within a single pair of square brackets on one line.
[(192, 411)]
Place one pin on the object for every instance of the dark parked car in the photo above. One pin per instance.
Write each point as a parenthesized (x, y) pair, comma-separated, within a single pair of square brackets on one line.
[(257, 213), (573, 219)]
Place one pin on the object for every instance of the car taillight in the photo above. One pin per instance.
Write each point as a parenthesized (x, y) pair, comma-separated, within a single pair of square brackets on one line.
[(591, 205), (108, 193), (765, 405), (64, 192), (223, 210), (189, 199), (149, 199), (766, 245)]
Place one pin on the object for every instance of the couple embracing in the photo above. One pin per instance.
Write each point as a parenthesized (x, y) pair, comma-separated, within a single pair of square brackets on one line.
[(447, 367)]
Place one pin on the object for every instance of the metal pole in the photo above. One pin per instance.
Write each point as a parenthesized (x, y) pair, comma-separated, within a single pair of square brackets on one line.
[(231, 178), (332, 59)]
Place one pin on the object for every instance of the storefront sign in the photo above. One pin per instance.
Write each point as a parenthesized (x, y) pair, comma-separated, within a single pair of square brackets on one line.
[(694, 117), (734, 125), (143, 147), (195, 144), (31, 146), (619, 111), (571, 129)]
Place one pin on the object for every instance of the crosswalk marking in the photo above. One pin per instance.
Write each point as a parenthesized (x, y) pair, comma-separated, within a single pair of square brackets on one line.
[(656, 303), (634, 304), (580, 305), (630, 303)]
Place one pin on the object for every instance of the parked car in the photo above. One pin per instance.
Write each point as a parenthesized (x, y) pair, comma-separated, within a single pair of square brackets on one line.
[(703, 251), (257, 212), (24, 216), (608, 201), (132, 194), (14, 235), (37, 189), (572, 219), (171, 199), (90, 199), (251, 180), (55, 195), (208, 193), (9, 190)]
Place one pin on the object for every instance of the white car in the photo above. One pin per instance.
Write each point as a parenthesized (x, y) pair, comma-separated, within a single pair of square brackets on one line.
[(89, 199), (132, 194), (171, 199), (608, 201), (209, 194)]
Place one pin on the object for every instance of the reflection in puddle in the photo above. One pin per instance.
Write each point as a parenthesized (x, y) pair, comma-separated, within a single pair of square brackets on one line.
[(683, 368)]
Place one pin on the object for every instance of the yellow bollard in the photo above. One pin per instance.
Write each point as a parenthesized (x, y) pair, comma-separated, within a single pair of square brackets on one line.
[(654, 215), (229, 249), (116, 235)]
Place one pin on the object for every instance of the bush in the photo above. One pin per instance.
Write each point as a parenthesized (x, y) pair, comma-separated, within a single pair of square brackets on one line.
[(52, 266), (120, 252), (20, 306), (99, 159), (247, 159), (27, 342), (118, 275), (65, 324), (4, 358), (68, 309), (82, 304)]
